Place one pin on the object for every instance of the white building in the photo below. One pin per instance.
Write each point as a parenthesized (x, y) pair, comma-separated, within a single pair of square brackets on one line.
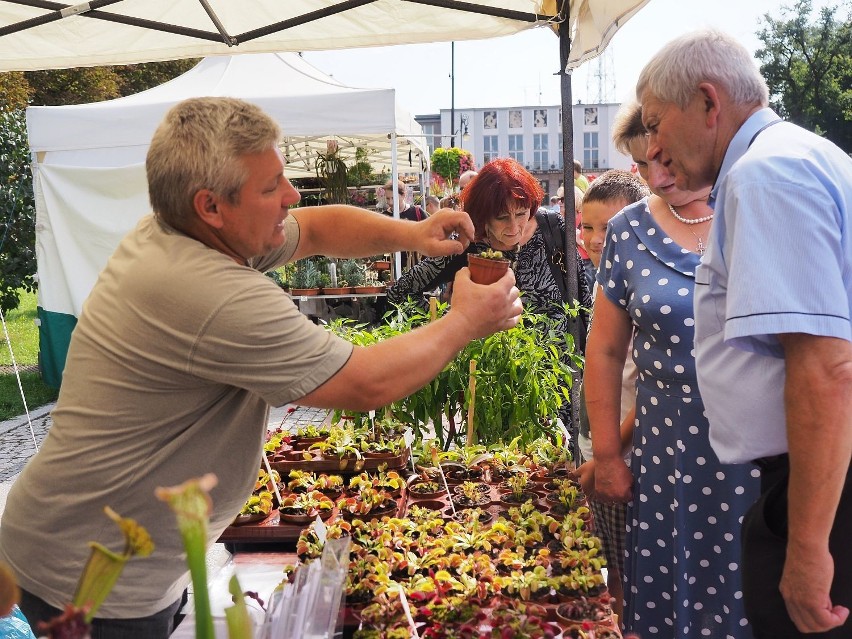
[(532, 135)]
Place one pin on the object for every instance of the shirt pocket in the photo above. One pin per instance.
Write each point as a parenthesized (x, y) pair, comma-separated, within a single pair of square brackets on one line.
[(709, 303)]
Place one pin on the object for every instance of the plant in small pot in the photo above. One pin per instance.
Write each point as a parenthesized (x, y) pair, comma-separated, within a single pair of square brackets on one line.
[(367, 504), (301, 481), (526, 584), (389, 481), (469, 460), (566, 497), (340, 446), (306, 278), (383, 448), (471, 494), (257, 508), (421, 488), (329, 485), (309, 546), (518, 493), (352, 272), (302, 508), (596, 610), (487, 267)]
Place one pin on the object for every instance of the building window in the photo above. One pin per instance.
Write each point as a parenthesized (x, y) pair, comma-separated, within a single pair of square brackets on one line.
[(590, 115), (590, 150), (430, 131), (489, 148), (516, 148), (516, 119), (540, 118), (540, 156), (489, 119)]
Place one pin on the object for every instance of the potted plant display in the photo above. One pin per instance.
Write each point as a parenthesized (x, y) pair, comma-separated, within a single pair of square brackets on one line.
[(306, 278), (302, 508), (487, 267)]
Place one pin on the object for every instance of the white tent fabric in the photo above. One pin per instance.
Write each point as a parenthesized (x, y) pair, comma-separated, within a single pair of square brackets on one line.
[(89, 174), (128, 31)]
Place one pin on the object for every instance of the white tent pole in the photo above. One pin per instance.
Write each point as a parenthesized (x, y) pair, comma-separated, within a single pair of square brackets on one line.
[(397, 258)]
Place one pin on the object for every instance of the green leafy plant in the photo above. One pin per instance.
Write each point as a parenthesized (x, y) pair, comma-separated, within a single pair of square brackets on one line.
[(352, 272), (305, 275)]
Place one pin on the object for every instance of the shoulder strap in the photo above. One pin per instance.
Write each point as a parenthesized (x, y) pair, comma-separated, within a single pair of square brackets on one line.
[(417, 212), (554, 241)]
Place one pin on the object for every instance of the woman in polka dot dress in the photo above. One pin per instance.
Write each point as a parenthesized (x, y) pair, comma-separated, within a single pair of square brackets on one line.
[(682, 575)]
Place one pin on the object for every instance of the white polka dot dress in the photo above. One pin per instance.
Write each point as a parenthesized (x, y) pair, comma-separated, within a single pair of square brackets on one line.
[(682, 576)]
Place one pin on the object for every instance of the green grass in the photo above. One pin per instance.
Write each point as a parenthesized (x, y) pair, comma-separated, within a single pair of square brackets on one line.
[(23, 335)]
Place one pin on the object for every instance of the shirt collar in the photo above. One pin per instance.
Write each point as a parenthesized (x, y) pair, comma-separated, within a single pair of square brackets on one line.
[(740, 143)]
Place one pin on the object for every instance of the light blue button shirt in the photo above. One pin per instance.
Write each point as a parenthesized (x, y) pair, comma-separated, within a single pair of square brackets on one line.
[(779, 260)]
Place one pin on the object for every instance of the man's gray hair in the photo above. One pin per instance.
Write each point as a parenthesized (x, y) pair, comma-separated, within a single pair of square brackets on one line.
[(199, 145), (674, 73)]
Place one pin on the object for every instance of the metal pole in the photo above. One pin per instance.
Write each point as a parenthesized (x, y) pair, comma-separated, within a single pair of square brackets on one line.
[(568, 191), (452, 94)]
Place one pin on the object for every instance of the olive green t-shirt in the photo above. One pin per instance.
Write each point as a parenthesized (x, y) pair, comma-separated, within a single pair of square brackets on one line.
[(176, 357)]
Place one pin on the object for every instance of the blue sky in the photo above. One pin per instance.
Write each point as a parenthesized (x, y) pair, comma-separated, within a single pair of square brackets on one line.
[(519, 70)]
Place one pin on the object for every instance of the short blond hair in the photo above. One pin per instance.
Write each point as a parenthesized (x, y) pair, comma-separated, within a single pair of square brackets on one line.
[(200, 145)]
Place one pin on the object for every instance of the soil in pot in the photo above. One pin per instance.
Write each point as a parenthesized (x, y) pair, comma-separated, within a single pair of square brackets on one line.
[(510, 499), (585, 609), (422, 490), (469, 515), (300, 516), (463, 501)]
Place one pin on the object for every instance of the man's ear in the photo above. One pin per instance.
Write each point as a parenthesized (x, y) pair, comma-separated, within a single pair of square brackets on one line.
[(206, 208), (712, 103)]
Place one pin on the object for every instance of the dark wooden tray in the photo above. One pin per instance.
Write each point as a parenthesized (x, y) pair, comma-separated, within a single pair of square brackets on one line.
[(336, 466), (270, 530)]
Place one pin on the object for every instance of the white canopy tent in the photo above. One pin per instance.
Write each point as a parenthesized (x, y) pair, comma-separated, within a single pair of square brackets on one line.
[(40, 34), (35, 34), (89, 173)]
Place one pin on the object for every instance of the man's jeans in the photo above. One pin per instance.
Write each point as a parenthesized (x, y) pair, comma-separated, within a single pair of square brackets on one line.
[(158, 626)]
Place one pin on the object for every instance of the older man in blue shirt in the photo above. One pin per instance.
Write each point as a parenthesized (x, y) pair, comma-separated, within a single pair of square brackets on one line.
[(773, 333)]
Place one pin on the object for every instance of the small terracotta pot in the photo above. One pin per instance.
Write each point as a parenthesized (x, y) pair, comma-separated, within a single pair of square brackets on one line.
[(485, 271)]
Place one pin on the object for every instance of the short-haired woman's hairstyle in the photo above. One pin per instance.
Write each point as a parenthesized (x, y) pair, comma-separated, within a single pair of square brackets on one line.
[(577, 166), (500, 181), (627, 126), (200, 145), (616, 185), (674, 73)]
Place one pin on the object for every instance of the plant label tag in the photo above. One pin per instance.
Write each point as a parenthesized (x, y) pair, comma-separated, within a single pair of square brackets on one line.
[(320, 529)]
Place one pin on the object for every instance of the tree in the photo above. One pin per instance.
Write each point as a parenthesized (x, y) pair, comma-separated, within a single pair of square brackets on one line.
[(60, 86), (808, 67), (17, 211)]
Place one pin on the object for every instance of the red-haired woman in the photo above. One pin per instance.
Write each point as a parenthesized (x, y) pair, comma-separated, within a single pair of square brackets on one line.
[(502, 201)]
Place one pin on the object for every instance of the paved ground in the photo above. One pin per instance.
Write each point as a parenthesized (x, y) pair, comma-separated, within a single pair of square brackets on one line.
[(17, 437)]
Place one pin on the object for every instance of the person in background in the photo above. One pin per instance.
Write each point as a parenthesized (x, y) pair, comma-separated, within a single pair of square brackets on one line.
[(606, 196), (773, 328), (554, 204), (184, 343), (433, 204), (411, 212), (685, 507), (580, 180), (585, 262), (465, 178), (503, 201)]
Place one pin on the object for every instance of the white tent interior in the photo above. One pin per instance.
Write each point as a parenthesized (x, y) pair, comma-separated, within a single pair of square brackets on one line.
[(89, 173)]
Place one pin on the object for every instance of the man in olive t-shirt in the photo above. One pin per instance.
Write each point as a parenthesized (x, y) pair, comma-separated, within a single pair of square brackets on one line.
[(182, 346)]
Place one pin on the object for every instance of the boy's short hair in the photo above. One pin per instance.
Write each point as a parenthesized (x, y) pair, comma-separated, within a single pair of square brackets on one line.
[(577, 166), (616, 184)]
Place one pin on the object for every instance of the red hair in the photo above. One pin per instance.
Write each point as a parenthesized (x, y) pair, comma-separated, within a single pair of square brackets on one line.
[(500, 181)]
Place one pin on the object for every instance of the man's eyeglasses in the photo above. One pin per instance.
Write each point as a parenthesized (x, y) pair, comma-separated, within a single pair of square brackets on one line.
[(561, 200)]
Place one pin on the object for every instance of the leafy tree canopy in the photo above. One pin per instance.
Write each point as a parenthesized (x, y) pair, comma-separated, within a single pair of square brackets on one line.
[(61, 86), (807, 63)]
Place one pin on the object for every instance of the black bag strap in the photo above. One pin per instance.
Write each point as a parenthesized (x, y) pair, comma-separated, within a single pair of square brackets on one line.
[(554, 241)]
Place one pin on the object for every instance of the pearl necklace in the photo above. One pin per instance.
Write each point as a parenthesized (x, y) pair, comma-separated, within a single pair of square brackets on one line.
[(700, 248), (685, 220)]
